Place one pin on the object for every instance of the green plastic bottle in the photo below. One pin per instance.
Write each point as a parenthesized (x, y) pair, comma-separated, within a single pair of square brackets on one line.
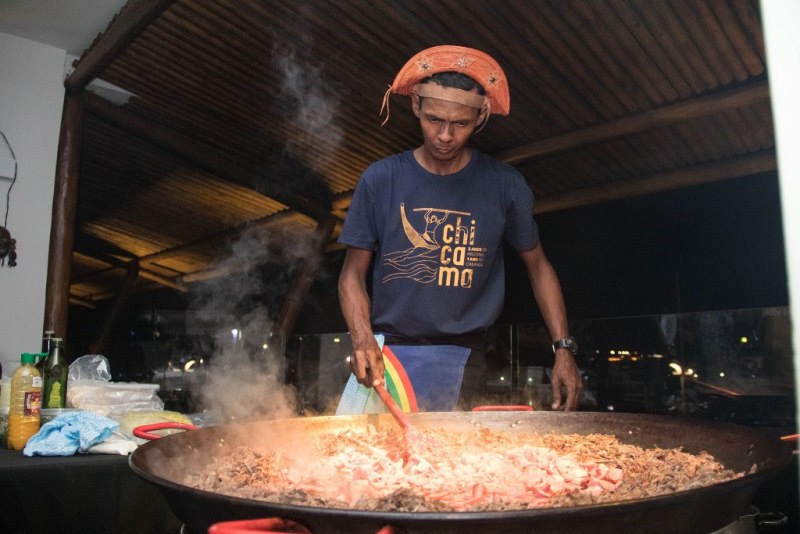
[(55, 376)]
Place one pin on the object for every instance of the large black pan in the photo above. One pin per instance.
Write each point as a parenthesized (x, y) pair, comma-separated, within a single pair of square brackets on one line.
[(165, 462)]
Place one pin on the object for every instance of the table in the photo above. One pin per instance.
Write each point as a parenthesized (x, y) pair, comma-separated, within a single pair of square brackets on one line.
[(92, 493)]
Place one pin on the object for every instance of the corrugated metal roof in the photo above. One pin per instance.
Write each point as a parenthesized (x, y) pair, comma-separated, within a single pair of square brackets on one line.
[(609, 99)]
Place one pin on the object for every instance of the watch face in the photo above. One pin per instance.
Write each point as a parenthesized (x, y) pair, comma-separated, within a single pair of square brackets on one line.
[(567, 343)]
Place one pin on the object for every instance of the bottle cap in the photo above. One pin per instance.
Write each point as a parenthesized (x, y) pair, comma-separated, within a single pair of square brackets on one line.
[(28, 357)]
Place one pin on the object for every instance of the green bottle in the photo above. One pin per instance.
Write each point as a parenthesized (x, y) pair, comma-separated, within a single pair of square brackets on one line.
[(55, 376)]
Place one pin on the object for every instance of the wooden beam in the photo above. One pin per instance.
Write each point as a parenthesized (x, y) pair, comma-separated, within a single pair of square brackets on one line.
[(641, 122), (202, 155), (701, 174), (219, 237), (682, 111), (62, 226), (124, 28), (100, 342), (78, 301), (297, 294), (180, 281), (97, 297), (126, 266)]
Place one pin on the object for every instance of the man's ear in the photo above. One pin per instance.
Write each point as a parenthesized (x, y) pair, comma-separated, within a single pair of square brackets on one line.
[(415, 103), (483, 116)]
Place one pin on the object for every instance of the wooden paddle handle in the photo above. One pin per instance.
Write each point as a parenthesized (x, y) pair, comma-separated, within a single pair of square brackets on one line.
[(393, 407)]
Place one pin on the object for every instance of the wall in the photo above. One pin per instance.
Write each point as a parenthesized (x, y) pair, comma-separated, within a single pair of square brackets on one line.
[(781, 18), (31, 100)]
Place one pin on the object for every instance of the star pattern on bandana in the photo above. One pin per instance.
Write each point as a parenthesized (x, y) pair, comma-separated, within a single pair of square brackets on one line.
[(493, 79), (425, 63), (463, 62)]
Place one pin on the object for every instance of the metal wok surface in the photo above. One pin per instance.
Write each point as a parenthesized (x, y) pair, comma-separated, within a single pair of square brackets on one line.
[(165, 462)]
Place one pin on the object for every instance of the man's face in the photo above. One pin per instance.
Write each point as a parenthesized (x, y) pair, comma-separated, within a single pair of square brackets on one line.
[(446, 126)]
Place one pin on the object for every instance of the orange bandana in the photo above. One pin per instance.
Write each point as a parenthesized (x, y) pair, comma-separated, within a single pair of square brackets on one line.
[(448, 58)]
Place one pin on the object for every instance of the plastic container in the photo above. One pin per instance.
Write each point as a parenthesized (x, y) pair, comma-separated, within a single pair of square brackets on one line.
[(3, 426), (5, 392), (48, 414), (26, 403)]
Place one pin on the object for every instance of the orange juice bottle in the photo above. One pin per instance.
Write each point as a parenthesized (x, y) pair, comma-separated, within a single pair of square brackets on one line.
[(25, 404)]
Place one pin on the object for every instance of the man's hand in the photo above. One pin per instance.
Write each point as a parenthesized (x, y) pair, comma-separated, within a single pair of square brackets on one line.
[(367, 364), (566, 375)]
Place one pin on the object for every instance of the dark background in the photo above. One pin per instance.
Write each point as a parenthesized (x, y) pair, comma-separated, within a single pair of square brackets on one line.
[(717, 246)]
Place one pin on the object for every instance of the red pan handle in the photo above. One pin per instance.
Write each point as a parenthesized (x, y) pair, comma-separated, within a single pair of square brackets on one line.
[(145, 431), (503, 408), (270, 525)]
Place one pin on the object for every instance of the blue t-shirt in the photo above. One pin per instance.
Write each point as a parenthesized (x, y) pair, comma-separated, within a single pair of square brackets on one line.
[(438, 242)]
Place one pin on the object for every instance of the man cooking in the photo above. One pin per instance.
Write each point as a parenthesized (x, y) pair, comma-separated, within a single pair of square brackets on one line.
[(435, 219)]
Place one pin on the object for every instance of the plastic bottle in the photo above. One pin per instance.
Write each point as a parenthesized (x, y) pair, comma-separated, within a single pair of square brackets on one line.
[(26, 402), (55, 376)]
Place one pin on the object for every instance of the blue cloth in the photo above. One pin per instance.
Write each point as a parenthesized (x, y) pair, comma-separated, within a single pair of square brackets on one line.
[(435, 373), (438, 242), (70, 433)]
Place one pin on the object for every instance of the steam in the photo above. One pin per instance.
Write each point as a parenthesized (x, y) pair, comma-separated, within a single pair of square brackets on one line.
[(245, 376), (310, 106)]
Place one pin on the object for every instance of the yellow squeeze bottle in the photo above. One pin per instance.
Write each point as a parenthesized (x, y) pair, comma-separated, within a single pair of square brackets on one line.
[(25, 404)]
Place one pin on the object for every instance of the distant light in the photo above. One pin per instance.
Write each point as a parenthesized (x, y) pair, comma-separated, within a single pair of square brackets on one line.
[(614, 359), (188, 367), (722, 375), (337, 340), (657, 356), (689, 372), (610, 408), (612, 352), (265, 346), (677, 370), (743, 339), (530, 379), (502, 379)]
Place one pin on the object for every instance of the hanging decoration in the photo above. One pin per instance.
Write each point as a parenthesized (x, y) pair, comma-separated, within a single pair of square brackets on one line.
[(8, 246)]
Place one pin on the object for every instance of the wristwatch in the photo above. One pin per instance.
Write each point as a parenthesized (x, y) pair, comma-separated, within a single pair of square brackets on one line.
[(566, 343)]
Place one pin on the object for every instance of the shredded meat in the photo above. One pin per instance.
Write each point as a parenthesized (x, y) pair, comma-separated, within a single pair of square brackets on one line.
[(446, 471)]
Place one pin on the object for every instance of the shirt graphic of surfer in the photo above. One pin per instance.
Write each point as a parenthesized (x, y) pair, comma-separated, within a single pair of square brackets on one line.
[(441, 253)]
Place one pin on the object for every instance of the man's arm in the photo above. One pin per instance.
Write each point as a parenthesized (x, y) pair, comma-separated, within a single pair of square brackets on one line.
[(367, 360), (547, 292)]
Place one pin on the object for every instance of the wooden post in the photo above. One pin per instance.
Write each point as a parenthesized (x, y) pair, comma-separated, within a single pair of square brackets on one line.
[(296, 296), (101, 341), (62, 226)]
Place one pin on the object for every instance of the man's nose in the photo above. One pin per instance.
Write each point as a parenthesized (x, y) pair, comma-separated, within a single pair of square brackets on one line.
[(446, 132)]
